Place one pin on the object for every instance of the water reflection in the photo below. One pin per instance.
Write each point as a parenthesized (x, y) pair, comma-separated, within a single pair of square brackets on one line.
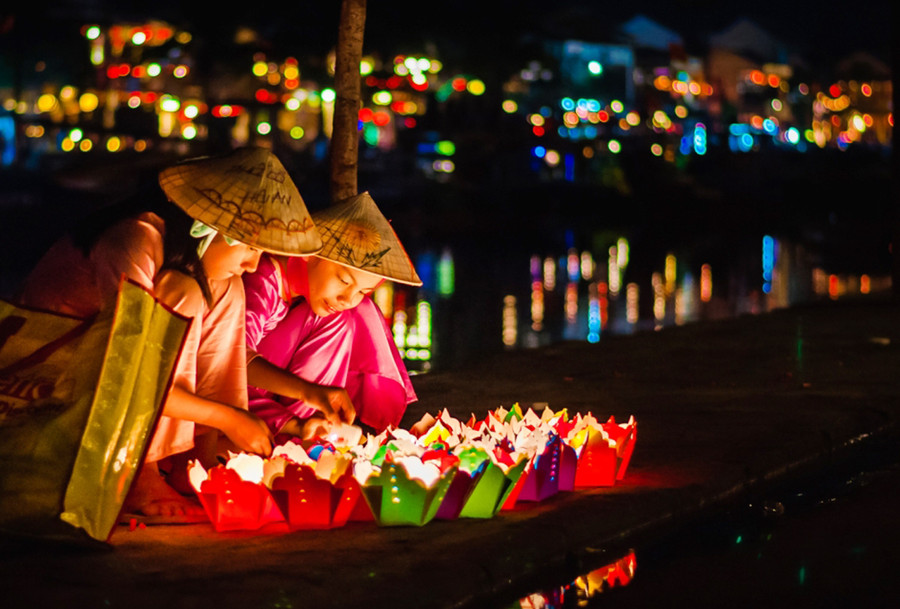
[(584, 295), (409, 311), (574, 298), (584, 587)]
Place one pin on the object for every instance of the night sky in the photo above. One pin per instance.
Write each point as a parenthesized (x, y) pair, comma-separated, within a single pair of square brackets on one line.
[(829, 29), (465, 28)]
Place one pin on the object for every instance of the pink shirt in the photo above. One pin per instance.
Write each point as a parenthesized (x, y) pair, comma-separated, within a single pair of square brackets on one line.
[(213, 360), (268, 299), (66, 281), (353, 349)]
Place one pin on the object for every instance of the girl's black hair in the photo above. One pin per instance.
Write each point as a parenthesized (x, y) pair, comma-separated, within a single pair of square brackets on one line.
[(179, 248)]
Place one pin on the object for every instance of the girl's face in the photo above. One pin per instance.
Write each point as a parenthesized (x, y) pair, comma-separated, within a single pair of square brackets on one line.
[(222, 261), (334, 287)]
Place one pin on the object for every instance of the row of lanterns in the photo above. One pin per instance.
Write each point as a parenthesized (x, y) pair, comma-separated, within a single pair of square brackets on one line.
[(441, 468)]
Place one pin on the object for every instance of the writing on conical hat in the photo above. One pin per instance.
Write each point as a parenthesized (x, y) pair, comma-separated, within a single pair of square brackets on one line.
[(247, 195), (355, 233)]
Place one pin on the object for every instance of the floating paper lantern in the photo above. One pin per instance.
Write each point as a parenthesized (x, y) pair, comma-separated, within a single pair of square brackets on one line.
[(233, 497), (314, 494), (343, 435), (310, 502), (478, 485), (568, 467), (441, 468), (625, 436), (457, 493), (486, 473), (596, 456), (540, 479), (405, 491), (361, 511), (604, 451), (249, 491), (491, 489), (438, 432), (596, 465)]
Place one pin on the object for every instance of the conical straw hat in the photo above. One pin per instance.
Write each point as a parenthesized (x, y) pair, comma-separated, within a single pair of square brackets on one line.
[(356, 234), (246, 195)]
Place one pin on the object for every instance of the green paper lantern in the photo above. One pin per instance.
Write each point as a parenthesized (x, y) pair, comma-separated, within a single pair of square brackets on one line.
[(397, 500), (491, 490)]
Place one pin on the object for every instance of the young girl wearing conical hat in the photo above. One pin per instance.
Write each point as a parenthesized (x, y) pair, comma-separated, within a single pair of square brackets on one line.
[(310, 320), (191, 256)]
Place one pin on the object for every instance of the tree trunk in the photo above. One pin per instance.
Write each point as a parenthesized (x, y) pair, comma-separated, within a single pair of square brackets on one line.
[(345, 138)]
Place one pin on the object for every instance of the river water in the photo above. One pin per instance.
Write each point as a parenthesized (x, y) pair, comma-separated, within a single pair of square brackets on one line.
[(520, 264), (823, 540)]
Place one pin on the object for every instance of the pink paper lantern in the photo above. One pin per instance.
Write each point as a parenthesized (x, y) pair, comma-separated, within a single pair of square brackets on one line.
[(541, 477)]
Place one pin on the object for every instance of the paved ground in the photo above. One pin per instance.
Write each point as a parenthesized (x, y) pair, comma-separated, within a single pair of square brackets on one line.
[(725, 409)]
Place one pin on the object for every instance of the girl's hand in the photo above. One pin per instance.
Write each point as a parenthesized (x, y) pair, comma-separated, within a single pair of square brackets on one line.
[(306, 429), (248, 432), (293, 427), (314, 427), (333, 402)]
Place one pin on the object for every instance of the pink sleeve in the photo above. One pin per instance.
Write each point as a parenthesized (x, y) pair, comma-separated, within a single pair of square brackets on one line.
[(274, 414), (133, 248), (181, 293), (265, 307)]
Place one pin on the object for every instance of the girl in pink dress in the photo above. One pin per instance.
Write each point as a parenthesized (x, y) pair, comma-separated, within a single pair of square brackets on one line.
[(237, 206), (319, 349)]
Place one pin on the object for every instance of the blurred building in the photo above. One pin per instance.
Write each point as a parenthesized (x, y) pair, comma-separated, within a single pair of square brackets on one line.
[(568, 111)]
